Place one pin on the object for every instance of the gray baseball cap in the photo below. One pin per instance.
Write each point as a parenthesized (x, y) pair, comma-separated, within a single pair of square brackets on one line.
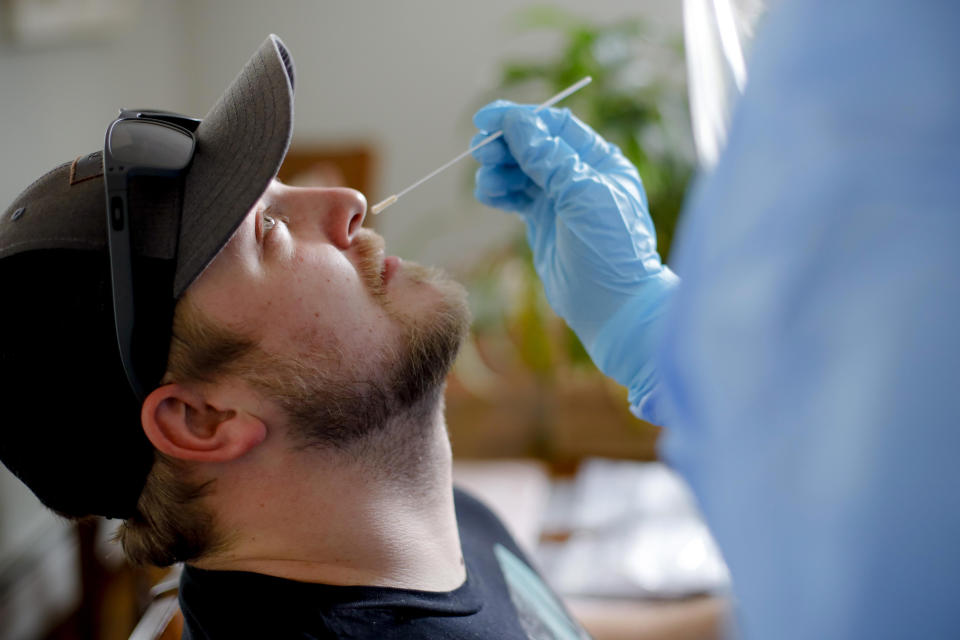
[(71, 426)]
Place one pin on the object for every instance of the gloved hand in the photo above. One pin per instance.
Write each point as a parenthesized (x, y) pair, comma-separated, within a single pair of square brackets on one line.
[(594, 244)]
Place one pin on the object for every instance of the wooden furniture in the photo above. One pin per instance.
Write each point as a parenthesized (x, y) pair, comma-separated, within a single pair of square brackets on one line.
[(323, 166)]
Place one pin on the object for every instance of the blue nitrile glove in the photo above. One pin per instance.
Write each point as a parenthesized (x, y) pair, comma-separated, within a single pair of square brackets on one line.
[(594, 245)]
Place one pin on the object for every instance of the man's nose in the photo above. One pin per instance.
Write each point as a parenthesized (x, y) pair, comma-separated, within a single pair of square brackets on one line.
[(341, 212)]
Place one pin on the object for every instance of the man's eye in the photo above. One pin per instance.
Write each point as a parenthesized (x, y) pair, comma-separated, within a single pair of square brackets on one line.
[(269, 222)]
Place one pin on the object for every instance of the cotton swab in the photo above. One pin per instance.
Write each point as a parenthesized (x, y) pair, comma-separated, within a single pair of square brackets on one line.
[(380, 206)]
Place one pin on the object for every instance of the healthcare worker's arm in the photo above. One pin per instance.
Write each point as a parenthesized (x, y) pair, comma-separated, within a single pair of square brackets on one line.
[(593, 242), (811, 360)]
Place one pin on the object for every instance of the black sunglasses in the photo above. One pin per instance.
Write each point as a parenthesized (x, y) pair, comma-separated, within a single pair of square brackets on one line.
[(157, 144)]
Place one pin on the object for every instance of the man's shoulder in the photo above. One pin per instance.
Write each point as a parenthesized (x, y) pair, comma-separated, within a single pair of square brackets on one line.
[(468, 504), (475, 518)]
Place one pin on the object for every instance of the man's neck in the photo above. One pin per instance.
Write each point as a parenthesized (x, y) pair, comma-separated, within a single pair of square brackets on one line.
[(382, 516)]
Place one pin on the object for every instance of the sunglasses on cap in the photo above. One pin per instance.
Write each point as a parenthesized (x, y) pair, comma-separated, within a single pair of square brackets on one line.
[(156, 144)]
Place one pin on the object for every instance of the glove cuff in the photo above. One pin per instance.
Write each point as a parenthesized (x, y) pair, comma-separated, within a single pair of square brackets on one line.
[(646, 405), (625, 346)]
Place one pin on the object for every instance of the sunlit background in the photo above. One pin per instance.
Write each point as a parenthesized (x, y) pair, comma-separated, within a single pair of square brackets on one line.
[(384, 94)]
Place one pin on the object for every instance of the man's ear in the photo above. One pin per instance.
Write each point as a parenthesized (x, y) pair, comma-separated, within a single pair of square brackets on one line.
[(181, 422)]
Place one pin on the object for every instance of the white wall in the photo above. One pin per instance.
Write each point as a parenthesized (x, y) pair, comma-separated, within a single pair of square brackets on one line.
[(402, 75), (57, 100)]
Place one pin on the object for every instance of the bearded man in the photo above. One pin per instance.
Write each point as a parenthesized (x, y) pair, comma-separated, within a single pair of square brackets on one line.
[(236, 369)]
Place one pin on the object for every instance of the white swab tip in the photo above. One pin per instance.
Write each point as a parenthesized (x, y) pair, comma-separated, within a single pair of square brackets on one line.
[(380, 206)]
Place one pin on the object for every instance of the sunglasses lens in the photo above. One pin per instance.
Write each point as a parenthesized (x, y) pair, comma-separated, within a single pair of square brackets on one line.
[(151, 145)]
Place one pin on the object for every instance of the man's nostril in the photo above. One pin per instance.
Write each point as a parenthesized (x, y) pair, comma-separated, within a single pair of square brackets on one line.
[(355, 223)]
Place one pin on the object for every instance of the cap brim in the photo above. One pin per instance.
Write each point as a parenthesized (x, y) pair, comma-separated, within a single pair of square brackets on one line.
[(241, 144)]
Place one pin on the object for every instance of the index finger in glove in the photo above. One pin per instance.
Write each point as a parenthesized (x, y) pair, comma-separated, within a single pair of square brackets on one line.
[(589, 145), (495, 152), (548, 160), (560, 122), (490, 117)]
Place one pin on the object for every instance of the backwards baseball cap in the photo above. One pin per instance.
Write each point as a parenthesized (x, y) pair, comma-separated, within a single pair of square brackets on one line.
[(71, 424)]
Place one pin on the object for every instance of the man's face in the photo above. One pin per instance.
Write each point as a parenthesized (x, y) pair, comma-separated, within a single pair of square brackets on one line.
[(317, 292)]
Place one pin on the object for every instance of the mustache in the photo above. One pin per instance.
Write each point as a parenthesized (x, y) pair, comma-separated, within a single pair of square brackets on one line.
[(370, 247)]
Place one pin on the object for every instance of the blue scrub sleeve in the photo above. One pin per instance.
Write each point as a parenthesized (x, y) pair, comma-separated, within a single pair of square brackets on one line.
[(810, 360)]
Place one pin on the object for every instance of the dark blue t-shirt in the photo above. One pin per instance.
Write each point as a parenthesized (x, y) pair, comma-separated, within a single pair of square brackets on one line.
[(502, 598)]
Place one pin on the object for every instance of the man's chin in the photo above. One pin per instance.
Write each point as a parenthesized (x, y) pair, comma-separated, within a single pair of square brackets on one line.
[(422, 274), (435, 318), (419, 291)]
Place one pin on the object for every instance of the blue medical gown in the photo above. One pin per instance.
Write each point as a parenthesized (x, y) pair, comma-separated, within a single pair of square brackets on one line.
[(810, 361)]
